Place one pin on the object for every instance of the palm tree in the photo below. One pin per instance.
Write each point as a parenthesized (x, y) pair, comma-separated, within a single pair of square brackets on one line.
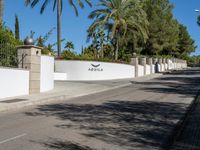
[(69, 46), (198, 20), (59, 4), (1, 11), (119, 17)]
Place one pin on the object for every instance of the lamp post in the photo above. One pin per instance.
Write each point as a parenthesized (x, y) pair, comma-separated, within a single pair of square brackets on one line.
[(198, 18)]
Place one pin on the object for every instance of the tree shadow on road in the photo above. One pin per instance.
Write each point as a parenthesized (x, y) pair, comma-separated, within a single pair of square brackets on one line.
[(127, 124), (186, 83), (59, 144), (145, 124)]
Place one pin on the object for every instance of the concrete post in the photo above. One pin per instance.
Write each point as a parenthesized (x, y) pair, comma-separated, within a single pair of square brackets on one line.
[(142, 61), (149, 62), (185, 64), (155, 60), (164, 62), (160, 63), (134, 62), (168, 63), (29, 57), (175, 63)]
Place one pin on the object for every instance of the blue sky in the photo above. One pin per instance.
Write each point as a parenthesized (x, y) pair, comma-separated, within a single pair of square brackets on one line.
[(74, 28)]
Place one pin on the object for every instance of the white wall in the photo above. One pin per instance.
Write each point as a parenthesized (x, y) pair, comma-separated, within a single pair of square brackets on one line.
[(47, 73), (153, 68), (159, 68), (60, 76), (140, 70), (166, 66), (13, 82), (148, 69), (91, 70), (170, 64), (162, 67)]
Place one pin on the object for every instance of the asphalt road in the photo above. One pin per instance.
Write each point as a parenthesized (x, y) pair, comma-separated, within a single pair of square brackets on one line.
[(141, 116)]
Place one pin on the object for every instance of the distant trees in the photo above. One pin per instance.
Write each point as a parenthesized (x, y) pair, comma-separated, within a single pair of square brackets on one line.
[(69, 46), (198, 20), (186, 44), (119, 17), (41, 41), (1, 11), (8, 44), (17, 31), (145, 27), (193, 61)]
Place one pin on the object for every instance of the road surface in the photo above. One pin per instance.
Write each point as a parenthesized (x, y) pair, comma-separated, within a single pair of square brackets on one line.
[(140, 116)]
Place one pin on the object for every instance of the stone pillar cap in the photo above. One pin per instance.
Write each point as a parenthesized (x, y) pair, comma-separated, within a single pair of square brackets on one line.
[(29, 46)]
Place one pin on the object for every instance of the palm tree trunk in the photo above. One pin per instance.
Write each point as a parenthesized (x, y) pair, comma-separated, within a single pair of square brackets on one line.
[(102, 52), (58, 26), (1, 11), (117, 49)]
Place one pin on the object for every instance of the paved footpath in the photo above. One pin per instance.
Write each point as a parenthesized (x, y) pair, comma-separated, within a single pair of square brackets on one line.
[(139, 116), (65, 90), (187, 137)]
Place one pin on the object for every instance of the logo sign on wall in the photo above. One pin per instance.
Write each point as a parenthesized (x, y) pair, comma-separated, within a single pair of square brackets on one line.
[(95, 67)]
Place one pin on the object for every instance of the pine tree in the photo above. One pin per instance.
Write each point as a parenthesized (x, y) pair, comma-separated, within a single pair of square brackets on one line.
[(1, 11), (163, 29), (186, 44), (17, 34)]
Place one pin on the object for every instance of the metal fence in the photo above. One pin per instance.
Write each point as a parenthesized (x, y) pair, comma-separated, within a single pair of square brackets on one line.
[(8, 55)]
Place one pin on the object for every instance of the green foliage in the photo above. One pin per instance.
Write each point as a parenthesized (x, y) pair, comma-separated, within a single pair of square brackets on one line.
[(41, 42), (8, 43), (17, 33), (119, 18), (69, 46), (98, 42), (198, 20), (69, 55), (193, 61), (186, 44), (145, 27), (7, 37), (33, 3), (59, 5), (90, 54), (163, 29)]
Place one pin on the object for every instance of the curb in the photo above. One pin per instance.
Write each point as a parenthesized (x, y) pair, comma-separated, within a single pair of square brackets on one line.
[(181, 123), (19, 105)]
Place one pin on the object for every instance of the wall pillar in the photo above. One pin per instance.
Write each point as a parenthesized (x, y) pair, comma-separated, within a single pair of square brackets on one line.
[(29, 57), (142, 61), (164, 62), (160, 63), (168, 63), (149, 62), (134, 61), (155, 60), (185, 64)]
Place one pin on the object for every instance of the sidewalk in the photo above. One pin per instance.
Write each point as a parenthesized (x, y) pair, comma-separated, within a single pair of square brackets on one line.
[(66, 90), (187, 137)]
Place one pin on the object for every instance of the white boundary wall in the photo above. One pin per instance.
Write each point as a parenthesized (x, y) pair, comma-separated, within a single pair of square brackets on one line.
[(60, 76), (13, 82), (153, 68), (162, 67), (159, 68), (166, 66), (93, 70), (148, 69), (47, 73), (140, 70)]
